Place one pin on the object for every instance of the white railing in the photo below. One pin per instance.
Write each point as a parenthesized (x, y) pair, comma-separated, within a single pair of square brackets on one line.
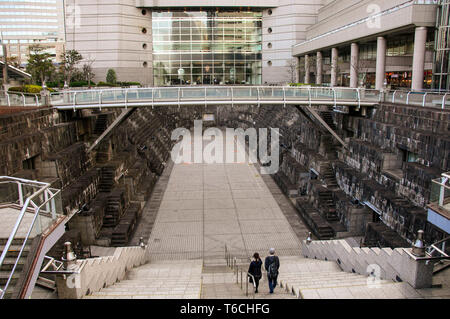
[(231, 95), (30, 197), (20, 99)]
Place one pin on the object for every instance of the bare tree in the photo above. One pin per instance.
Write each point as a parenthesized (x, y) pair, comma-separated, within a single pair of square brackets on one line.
[(292, 65), (88, 73), (362, 69)]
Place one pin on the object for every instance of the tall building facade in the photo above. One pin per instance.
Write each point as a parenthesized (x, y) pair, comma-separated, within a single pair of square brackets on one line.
[(26, 23), (374, 44), (368, 43), (192, 42), (442, 47)]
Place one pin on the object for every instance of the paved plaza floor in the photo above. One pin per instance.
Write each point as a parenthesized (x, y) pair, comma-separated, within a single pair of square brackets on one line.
[(208, 206)]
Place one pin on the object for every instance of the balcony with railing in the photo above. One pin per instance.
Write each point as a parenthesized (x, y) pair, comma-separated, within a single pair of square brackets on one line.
[(439, 207), (28, 210)]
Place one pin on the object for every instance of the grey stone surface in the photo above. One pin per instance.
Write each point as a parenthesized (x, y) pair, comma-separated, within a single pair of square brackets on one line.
[(208, 206)]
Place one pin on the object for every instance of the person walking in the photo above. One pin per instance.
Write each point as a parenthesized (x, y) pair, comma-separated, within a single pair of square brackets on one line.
[(272, 264), (255, 270)]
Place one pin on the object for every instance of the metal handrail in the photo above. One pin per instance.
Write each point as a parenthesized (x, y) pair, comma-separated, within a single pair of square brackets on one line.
[(313, 95), (44, 189), (232, 263), (433, 248)]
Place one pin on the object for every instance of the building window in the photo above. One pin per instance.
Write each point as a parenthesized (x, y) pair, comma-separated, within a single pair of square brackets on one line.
[(207, 47)]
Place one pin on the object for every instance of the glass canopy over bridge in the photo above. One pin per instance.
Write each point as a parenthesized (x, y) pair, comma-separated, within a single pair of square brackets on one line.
[(224, 95)]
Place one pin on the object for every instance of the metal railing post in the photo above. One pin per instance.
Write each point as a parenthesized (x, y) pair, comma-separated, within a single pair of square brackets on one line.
[(23, 97), (334, 97), (407, 98), (126, 99), (393, 97), (284, 96), (246, 287), (19, 185), (259, 98), (74, 100), (241, 278), (424, 99), (358, 93), (8, 99), (309, 96), (153, 98), (232, 97), (443, 100)]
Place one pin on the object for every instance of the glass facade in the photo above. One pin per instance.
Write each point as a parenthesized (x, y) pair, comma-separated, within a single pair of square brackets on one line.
[(206, 47), (442, 47)]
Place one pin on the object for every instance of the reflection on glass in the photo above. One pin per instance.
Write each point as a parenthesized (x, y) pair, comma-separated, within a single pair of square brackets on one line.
[(207, 47)]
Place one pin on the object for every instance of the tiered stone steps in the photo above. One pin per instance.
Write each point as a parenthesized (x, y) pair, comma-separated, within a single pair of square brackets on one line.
[(315, 221), (101, 124), (10, 260), (316, 279), (157, 280)]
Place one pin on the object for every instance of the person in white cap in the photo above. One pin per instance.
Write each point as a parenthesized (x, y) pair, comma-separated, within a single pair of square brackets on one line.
[(272, 264)]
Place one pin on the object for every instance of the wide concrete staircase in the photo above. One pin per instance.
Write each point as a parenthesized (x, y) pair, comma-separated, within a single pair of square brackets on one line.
[(157, 280), (318, 279), (219, 281)]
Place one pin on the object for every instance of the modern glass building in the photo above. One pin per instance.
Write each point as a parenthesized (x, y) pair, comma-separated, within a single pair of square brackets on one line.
[(207, 47), (29, 23), (442, 47), (199, 42)]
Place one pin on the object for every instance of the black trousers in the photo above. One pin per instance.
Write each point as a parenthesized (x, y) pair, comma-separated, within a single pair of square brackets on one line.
[(257, 282)]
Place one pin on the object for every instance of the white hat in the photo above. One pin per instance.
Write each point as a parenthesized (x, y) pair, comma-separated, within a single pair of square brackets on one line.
[(272, 251)]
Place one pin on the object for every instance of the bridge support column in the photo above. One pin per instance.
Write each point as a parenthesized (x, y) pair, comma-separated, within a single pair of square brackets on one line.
[(334, 65), (420, 40), (381, 63), (319, 68), (354, 65), (307, 67)]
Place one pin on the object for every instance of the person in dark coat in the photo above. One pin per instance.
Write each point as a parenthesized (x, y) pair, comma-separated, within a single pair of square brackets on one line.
[(255, 270), (272, 264)]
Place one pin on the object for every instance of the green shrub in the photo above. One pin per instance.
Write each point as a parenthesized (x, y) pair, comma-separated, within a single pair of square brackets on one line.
[(77, 84), (128, 83), (29, 88), (15, 89), (54, 84), (111, 76), (106, 84)]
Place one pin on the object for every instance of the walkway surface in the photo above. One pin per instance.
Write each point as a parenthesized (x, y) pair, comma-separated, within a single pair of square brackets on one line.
[(9, 218), (208, 206)]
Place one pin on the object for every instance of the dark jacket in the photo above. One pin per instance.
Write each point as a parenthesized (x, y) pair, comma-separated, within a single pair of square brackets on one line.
[(270, 260), (255, 268)]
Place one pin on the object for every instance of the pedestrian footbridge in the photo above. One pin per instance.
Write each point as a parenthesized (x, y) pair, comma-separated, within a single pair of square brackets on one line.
[(223, 95)]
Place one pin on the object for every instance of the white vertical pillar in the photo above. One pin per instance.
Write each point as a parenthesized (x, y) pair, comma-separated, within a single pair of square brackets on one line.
[(307, 67), (319, 68), (354, 65), (334, 63), (381, 63), (420, 40)]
